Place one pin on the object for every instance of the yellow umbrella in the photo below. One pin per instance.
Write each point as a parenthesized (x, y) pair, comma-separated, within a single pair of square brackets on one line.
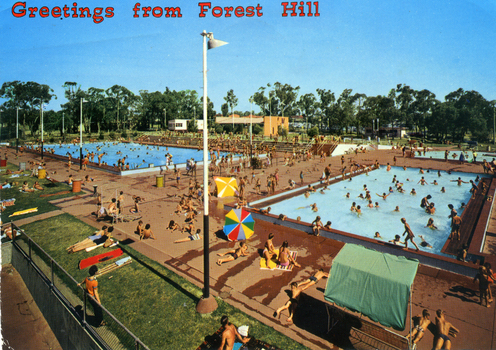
[(226, 186)]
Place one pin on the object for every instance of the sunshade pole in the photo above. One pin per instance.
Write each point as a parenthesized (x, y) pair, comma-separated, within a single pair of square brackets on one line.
[(410, 337)]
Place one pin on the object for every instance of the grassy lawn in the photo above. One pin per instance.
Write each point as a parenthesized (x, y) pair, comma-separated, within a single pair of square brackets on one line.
[(154, 303), (26, 200)]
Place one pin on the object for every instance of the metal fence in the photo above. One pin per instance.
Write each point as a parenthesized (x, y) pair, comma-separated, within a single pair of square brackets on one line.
[(112, 335)]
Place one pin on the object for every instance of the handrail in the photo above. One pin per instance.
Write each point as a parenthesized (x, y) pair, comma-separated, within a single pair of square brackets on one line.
[(138, 343)]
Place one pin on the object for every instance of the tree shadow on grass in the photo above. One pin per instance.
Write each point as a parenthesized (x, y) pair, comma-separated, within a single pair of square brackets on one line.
[(161, 275)]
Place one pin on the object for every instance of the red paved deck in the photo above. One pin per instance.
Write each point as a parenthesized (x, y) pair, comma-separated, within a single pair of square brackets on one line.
[(260, 292)]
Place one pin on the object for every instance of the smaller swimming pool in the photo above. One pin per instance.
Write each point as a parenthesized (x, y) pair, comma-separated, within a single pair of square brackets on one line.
[(455, 155), (334, 205)]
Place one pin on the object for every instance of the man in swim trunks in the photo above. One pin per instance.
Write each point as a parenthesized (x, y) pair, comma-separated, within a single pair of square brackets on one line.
[(409, 234), (317, 276), (444, 329), (233, 254), (455, 227), (230, 334), (292, 303), (421, 327)]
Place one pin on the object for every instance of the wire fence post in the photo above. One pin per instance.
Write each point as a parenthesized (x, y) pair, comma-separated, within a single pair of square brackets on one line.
[(84, 309), (51, 272)]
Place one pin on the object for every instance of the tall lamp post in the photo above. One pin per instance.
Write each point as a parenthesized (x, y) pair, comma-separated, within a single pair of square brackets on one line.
[(251, 129), (207, 303), (41, 107), (17, 129), (81, 134)]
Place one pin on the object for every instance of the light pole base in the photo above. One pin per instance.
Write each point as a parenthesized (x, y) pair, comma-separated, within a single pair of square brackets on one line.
[(206, 305)]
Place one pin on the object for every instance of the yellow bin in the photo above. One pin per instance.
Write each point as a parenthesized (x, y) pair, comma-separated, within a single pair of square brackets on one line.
[(160, 181), (41, 173)]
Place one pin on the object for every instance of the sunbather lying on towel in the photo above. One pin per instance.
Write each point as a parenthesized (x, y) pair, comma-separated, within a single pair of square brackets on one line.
[(233, 254)]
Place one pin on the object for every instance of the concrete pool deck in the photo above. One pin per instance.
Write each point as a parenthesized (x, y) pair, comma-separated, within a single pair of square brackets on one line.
[(259, 292)]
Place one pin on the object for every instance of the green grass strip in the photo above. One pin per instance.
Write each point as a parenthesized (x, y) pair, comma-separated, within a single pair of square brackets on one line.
[(28, 200), (156, 304)]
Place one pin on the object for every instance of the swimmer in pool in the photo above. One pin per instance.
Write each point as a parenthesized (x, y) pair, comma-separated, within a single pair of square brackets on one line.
[(424, 242), (430, 224), (358, 211), (397, 209), (383, 196), (353, 207), (413, 192)]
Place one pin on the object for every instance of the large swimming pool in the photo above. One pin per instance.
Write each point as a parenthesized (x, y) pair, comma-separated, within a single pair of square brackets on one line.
[(138, 156), (334, 205)]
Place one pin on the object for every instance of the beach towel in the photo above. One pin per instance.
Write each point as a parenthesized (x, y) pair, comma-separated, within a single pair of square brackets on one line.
[(274, 265), (22, 212)]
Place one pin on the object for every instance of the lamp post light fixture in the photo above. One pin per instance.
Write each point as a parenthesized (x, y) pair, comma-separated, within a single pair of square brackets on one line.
[(207, 303)]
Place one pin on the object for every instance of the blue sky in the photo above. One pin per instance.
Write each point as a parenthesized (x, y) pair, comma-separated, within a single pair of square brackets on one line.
[(367, 46)]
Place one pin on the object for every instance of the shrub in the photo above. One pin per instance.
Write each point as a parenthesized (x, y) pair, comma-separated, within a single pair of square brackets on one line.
[(124, 134), (112, 135), (101, 136), (314, 131)]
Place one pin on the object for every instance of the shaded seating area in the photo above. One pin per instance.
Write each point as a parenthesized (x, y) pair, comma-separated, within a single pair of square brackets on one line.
[(376, 285)]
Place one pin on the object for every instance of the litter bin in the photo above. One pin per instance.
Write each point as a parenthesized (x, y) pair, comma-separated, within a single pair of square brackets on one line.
[(489, 148), (41, 173), (76, 185), (22, 166), (160, 181), (3, 162)]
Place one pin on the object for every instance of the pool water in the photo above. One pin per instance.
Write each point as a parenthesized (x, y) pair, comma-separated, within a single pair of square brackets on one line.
[(488, 156), (335, 207), (138, 156)]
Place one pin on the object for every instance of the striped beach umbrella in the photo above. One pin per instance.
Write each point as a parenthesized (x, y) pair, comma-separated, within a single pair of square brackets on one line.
[(239, 225)]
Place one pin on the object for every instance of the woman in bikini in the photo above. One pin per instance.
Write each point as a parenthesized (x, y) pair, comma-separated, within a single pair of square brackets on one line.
[(233, 254), (269, 249), (285, 257)]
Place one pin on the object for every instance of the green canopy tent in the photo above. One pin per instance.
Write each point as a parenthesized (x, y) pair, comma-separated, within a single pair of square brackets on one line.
[(375, 284)]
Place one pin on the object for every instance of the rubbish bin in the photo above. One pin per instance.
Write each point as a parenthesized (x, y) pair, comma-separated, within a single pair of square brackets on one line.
[(22, 166), (160, 181), (3, 162), (76, 185), (489, 148), (41, 173)]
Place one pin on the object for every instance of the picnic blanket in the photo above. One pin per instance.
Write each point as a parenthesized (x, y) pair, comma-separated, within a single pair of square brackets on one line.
[(273, 262)]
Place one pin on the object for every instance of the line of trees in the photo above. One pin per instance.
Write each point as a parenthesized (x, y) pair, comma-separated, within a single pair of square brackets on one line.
[(117, 108)]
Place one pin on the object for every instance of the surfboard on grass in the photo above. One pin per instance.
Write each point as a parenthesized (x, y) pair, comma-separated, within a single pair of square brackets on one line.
[(99, 258)]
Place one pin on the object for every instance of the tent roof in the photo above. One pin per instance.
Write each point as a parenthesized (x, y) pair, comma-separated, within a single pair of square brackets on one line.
[(372, 283)]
